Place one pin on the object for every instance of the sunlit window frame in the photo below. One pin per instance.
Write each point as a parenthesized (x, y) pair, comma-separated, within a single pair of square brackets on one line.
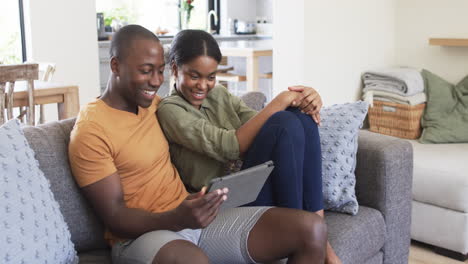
[(22, 31)]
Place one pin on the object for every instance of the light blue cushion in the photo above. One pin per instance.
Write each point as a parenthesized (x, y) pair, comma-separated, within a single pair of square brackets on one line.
[(339, 139), (32, 226)]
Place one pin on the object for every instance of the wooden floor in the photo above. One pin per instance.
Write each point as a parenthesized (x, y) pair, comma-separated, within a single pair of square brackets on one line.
[(419, 254)]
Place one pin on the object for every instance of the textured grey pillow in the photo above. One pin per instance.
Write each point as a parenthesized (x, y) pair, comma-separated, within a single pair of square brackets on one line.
[(32, 226), (50, 144), (339, 139)]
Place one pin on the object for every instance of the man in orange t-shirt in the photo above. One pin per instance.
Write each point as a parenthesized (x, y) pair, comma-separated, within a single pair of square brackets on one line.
[(120, 158), (100, 147)]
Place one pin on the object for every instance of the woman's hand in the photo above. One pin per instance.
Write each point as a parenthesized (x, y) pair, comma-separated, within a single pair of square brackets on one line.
[(310, 101), (288, 98)]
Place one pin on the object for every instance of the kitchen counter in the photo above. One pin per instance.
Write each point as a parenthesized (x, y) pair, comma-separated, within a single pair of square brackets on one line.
[(168, 39), (246, 45)]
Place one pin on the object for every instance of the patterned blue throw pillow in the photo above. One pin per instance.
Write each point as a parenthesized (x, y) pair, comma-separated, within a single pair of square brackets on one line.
[(32, 226), (339, 138)]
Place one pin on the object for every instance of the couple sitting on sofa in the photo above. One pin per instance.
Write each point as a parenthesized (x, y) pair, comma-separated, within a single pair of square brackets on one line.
[(120, 157)]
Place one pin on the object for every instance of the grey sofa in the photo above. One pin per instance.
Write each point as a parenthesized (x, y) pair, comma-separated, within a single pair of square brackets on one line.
[(379, 233)]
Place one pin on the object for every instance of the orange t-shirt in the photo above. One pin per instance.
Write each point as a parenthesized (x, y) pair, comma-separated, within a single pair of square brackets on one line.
[(106, 140)]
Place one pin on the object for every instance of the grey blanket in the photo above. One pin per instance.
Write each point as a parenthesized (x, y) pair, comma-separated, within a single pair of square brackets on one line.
[(402, 81)]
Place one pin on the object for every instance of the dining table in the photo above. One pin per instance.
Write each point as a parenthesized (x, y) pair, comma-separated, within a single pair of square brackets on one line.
[(251, 50), (64, 95)]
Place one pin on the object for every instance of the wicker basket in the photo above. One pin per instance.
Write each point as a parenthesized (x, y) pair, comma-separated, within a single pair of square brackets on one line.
[(399, 120)]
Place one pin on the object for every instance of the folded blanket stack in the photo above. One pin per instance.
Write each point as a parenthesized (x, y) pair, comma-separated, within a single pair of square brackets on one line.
[(398, 85)]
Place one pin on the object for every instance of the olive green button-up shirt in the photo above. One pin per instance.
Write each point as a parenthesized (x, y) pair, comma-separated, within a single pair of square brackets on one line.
[(203, 140)]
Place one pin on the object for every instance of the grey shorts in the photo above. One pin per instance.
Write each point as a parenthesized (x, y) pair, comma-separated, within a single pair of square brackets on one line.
[(223, 241)]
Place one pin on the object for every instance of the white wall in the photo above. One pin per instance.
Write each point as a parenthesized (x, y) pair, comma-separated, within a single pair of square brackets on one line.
[(419, 20), (240, 9), (288, 44), (265, 10), (64, 32), (328, 44)]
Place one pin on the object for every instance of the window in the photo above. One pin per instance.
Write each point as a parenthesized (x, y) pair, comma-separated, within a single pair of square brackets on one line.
[(12, 47)]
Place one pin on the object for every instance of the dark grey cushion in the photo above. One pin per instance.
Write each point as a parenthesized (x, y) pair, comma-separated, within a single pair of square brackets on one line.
[(356, 238), (50, 143)]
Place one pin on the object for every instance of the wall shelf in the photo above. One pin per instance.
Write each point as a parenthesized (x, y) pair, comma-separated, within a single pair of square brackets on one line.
[(453, 42)]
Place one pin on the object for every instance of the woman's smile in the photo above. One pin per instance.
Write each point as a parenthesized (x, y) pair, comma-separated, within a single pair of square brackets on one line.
[(199, 95)]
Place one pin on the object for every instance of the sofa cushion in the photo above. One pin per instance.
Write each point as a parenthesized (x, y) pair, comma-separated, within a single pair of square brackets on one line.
[(50, 143), (356, 238), (441, 175), (339, 142), (33, 229), (440, 227)]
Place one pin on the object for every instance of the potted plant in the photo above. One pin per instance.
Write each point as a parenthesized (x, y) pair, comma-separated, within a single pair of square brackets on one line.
[(117, 18), (186, 7)]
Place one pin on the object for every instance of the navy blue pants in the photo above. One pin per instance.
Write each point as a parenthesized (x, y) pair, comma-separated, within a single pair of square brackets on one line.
[(291, 140)]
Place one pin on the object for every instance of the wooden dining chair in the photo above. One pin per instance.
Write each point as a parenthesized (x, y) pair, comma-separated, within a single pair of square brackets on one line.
[(9, 74), (46, 72)]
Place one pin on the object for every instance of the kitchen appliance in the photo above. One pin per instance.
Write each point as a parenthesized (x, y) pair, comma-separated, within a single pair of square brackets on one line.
[(101, 29), (244, 27)]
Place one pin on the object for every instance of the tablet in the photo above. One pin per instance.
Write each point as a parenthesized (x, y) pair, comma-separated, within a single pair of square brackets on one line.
[(244, 186)]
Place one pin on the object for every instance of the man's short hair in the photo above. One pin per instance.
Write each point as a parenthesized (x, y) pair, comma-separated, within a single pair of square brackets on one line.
[(122, 39)]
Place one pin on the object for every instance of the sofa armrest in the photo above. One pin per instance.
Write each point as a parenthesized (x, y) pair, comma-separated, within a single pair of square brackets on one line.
[(384, 173)]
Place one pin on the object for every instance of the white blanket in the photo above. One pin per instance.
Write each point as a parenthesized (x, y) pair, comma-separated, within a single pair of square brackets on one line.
[(402, 81), (370, 96)]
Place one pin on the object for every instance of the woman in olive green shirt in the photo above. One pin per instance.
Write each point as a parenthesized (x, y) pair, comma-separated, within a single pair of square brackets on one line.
[(207, 127)]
